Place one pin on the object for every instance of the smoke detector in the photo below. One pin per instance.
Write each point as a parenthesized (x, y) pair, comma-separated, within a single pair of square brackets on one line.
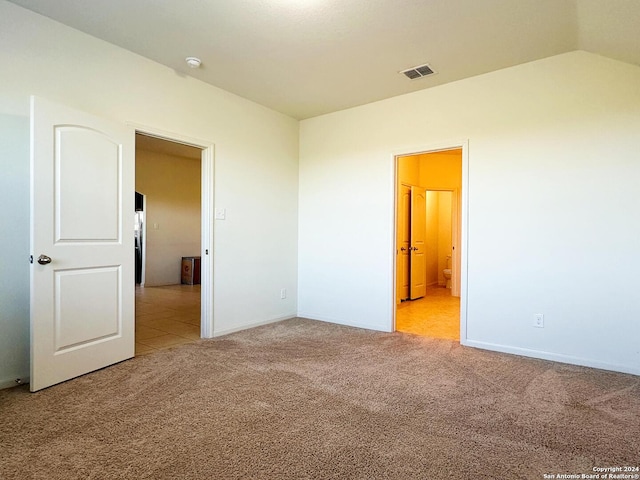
[(193, 62), (418, 72)]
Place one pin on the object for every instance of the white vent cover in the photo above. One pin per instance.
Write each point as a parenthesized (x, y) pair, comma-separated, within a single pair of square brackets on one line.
[(418, 72)]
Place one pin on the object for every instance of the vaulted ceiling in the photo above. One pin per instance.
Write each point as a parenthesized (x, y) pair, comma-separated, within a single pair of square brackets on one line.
[(309, 57)]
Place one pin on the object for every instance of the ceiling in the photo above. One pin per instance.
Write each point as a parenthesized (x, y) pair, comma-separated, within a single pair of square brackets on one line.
[(309, 57)]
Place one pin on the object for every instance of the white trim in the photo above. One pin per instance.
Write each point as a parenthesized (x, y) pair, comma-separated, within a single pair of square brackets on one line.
[(394, 241), (220, 333), (554, 357), (170, 136), (207, 208), (464, 225), (464, 240), (456, 233), (206, 266)]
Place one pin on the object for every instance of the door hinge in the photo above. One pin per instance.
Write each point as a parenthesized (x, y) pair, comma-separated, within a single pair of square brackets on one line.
[(206, 251), (30, 258)]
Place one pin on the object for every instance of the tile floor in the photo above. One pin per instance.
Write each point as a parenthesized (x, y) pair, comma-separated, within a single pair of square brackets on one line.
[(436, 315), (166, 316)]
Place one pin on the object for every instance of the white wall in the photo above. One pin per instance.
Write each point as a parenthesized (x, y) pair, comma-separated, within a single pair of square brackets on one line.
[(256, 152), (172, 188), (554, 163), (14, 245)]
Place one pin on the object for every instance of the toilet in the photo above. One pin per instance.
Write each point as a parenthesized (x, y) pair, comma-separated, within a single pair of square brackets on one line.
[(447, 272)]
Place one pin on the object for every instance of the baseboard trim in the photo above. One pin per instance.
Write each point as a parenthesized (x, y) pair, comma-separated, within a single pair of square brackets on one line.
[(322, 318), (555, 357), (227, 331)]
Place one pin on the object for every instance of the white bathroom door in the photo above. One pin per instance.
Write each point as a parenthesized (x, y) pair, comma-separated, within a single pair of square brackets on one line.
[(403, 239), (82, 243), (418, 266)]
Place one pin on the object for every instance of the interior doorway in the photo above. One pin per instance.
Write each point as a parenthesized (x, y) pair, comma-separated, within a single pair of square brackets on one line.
[(173, 231), (168, 180), (429, 245)]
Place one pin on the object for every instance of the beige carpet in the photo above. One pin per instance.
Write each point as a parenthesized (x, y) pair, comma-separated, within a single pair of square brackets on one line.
[(303, 399)]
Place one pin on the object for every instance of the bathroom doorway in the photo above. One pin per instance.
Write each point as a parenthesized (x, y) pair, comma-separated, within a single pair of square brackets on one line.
[(440, 219), (429, 224)]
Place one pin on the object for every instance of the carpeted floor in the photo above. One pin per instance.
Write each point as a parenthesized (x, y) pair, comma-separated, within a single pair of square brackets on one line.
[(303, 399)]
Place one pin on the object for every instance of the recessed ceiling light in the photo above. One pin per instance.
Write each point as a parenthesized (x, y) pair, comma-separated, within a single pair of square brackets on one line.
[(193, 62)]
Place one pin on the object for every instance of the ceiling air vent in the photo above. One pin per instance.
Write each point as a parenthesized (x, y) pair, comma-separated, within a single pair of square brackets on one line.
[(418, 72)]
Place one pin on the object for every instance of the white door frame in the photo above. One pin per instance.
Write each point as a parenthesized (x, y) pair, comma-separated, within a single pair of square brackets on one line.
[(417, 228), (464, 226), (207, 209)]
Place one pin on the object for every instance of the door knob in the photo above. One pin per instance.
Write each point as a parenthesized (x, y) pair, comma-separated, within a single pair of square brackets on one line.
[(44, 260), (402, 249)]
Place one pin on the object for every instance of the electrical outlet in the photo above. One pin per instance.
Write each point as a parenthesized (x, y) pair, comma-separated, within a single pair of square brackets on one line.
[(283, 293), (538, 320)]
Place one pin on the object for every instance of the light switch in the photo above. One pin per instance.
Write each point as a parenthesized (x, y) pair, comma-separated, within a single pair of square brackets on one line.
[(220, 213)]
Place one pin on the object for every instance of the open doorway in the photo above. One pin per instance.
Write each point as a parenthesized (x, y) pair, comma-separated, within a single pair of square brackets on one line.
[(168, 231), (429, 250)]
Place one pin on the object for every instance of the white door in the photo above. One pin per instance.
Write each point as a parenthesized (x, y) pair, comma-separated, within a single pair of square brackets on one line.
[(82, 243), (403, 244), (417, 267)]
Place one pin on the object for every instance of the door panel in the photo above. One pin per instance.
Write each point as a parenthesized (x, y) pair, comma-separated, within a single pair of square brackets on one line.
[(86, 187), (82, 203), (75, 301), (403, 243), (418, 236)]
